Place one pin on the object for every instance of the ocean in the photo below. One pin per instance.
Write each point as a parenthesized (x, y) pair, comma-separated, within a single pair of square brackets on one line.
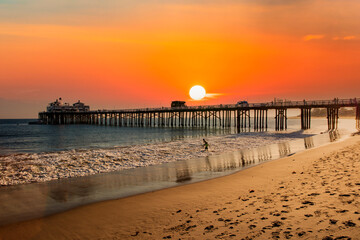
[(17, 136), (72, 165)]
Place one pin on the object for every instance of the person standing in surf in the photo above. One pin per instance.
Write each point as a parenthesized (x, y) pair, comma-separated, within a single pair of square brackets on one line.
[(206, 145)]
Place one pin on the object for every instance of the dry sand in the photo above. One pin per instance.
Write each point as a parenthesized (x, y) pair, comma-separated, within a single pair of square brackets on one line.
[(310, 195)]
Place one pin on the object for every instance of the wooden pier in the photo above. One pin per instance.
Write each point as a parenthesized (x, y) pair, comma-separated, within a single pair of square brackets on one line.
[(242, 117)]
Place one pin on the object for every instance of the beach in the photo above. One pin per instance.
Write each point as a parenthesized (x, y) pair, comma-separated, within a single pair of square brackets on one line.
[(309, 195), (179, 120)]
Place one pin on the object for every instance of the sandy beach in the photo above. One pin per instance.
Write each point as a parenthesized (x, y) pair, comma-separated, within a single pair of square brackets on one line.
[(310, 195), (186, 120)]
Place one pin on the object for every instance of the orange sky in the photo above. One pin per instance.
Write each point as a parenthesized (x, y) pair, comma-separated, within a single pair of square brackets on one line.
[(148, 53)]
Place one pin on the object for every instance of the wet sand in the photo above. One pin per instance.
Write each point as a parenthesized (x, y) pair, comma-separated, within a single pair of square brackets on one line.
[(310, 195)]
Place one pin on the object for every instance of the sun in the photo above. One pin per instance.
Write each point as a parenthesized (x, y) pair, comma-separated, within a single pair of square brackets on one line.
[(197, 92)]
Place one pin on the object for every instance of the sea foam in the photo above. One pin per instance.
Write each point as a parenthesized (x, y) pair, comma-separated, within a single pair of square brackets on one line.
[(41, 167)]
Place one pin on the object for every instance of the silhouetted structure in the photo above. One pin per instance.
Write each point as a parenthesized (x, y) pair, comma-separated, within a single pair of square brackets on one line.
[(59, 106), (225, 116), (176, 104)]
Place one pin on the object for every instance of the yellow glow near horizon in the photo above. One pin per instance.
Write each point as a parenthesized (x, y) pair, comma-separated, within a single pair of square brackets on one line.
[(197, 92)]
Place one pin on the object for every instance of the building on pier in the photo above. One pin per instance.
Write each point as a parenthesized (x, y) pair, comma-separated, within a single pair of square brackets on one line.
[(81, 107), (59, 106), (176, 104)]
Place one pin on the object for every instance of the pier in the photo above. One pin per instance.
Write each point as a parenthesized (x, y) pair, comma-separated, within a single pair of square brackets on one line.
[(240, 116)]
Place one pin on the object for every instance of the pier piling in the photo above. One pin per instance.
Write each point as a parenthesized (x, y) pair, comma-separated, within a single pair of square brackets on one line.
[(332, 118), (260, 119), (280, 119), (305, 118)]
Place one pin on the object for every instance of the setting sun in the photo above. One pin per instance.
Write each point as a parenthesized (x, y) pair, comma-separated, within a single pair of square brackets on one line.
[(197, 92)]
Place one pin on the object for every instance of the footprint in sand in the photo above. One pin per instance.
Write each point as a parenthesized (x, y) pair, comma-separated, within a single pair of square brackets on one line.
[(349, 223)]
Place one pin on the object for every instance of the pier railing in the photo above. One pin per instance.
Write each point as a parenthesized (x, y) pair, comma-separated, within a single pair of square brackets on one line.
[(270, 105)]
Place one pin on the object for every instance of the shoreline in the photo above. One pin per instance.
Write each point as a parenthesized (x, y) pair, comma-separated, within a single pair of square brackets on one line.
[(179, 213), (44, 167)]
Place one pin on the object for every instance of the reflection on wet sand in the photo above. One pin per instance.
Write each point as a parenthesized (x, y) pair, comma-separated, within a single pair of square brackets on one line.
[(284, 149), (308, 142), (334, 135), (62, 193), (29, 201), (182, 172), (264, 154)]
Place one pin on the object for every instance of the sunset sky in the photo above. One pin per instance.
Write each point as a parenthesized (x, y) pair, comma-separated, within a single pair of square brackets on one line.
[(137, 53)]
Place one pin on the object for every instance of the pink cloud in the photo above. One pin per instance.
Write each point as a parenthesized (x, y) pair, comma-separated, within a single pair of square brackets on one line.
[(313, 37), (213, 95), (349, 37)]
